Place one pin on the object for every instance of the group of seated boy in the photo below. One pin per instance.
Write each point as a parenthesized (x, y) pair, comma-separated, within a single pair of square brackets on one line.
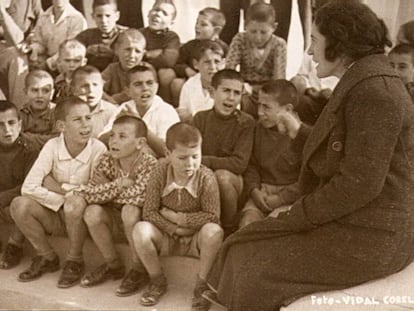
[(139, 140)]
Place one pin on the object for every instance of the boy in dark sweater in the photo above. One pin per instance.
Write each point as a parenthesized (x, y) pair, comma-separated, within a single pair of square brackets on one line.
[(17, 155), (99, 41), (227, 140), (181, 213), (271, 176)]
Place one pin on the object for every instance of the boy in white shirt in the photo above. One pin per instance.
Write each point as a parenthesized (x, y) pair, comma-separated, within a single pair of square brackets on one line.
[(47, 205)]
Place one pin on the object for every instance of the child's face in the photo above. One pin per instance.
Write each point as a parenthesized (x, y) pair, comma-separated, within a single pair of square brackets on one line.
[(142, 87), (105, 16), (204, 29), (39, 93), (10, 127), (77, 126), (89, 87), (185, 160), (258, 33), (122, 140), (60, 3), (227, 96), (403, 65), (268, 110), (130, 52), (161, 16), (69, 60), (209, 64)]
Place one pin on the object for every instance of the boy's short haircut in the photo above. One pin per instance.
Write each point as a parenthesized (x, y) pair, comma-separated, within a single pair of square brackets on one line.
[(225, 74), (7, 105), (215, 16), (132, 34), (403, 49), (283, 90), (37, 74), (141, 129), (97, 3), (72, 44), (184, 134), (84, 70), (207, 45), (169, 2), (64, 106), (261, 12), (142, 68)]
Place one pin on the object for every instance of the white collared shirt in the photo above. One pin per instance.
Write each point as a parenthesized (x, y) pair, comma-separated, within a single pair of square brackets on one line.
[(159, 117), (50, 33), (191, 187), (54, 159), (193, 97)]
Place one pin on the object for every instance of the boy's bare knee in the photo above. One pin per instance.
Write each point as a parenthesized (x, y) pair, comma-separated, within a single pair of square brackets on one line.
[(224, 177), (74, 207), (94, 215), (211, 233), (143, 232), (20, 207), (166, 74), (130, 214)]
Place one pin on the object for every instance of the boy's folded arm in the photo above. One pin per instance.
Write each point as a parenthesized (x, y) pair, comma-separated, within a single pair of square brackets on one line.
[(166, 59), (99, 193)]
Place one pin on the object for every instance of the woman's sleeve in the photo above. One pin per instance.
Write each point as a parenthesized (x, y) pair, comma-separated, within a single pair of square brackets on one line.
[(373, 121)]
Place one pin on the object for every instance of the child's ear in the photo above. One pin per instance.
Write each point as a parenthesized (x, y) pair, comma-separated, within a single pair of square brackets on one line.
[(60, 125), (84, 61), (289, 107), (140, 142), (275, 26), (217, 30), (117, 15), (195, 63)]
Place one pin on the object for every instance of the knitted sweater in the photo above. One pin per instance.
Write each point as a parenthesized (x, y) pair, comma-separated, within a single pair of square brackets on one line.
[(109, 168), (166, 40), (227, 141), (39, 123), (196, 210), (273, 162)]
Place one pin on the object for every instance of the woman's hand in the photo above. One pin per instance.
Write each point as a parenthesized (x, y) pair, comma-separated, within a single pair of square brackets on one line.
[(288, 123)]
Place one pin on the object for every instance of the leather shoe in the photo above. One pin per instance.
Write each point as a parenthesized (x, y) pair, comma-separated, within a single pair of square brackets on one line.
[(132, 283), (39, 266), (71, 274), (11, 257), (101, 274)]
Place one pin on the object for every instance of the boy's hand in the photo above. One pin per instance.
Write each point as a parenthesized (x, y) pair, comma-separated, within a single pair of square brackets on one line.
[(99, 178), (273, 201), (125, 182), (181, 231), (52, 185), (259, 199), (153, 53), (169, 215)]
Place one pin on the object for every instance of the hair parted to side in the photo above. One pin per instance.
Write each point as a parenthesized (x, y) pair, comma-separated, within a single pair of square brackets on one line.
[(351, 29), (72, 45), (215, 16), (261, 12), (283, 90), (142, 68), (207, 45), (6, 105), (403, 49), (184, 134), (225, 74), (66, 104), (97, 3), (37, 74), (141, 129)]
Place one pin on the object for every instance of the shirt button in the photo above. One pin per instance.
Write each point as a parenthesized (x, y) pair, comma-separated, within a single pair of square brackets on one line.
[(337, 146)]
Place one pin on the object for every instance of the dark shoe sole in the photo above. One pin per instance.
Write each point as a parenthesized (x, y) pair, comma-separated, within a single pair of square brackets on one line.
[(68, 285), (38, 277), (113, 278), (127, 294)]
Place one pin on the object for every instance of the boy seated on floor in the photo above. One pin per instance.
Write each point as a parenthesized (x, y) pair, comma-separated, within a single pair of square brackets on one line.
[(157, 114), (17, 155), (37, 114), (129, 48), (196, 93), (227, 141), (115, 197), (181, 213), (71, 55), (99, 41), (272, 174), (47, 206), (88, 84)]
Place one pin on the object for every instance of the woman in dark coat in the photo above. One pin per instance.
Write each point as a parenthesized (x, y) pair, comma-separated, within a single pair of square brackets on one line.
[(355, 220)]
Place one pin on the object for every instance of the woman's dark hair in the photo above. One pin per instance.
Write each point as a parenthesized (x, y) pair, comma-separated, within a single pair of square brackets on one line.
[(351, 29)]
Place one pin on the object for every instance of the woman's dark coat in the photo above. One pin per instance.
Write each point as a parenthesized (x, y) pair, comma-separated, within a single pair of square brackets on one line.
[(355, 221)]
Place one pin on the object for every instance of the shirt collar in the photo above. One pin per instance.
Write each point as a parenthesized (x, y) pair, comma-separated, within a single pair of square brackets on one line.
[(192, 185), (63, 153), (67, 11), (156, 102)]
